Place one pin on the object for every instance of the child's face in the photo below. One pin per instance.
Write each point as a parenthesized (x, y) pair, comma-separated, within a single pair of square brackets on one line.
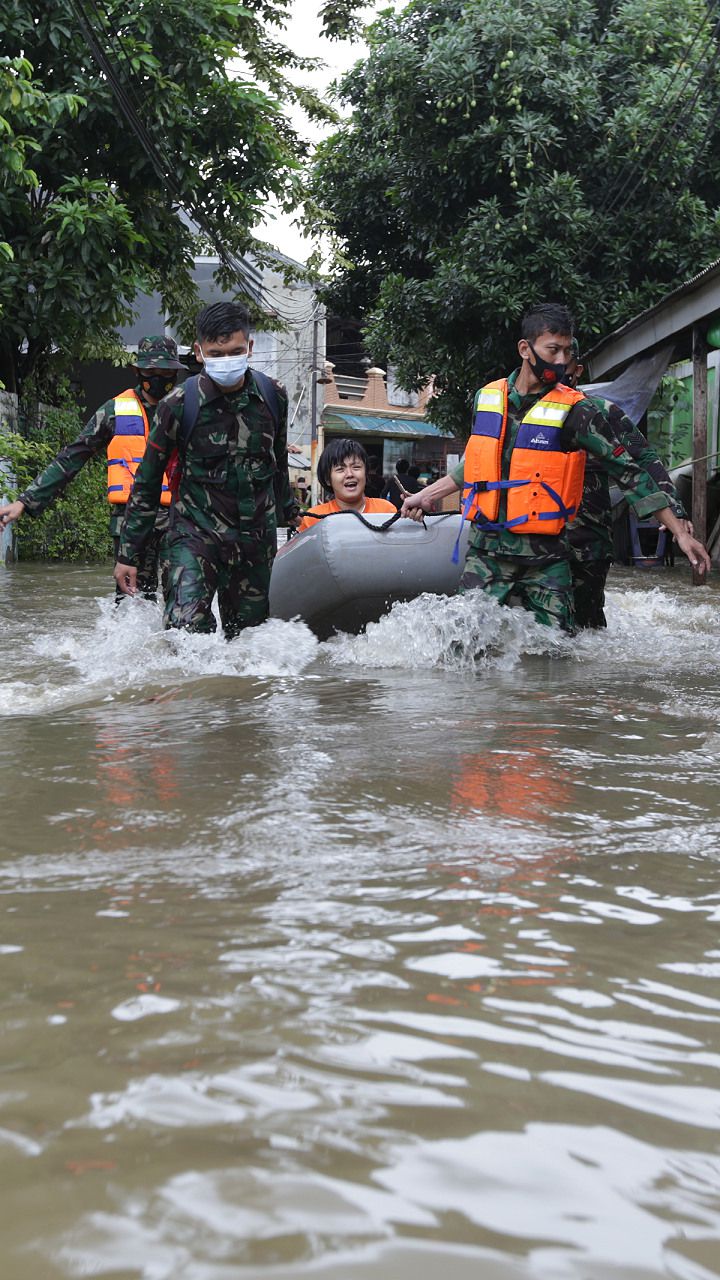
[(348, 479)]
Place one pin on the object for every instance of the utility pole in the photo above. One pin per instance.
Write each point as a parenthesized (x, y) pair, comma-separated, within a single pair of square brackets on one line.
[(318, 377), (700, 441), (314, 415)]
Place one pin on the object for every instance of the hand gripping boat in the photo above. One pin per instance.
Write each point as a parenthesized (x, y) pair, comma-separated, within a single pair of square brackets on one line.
[(349, 570)]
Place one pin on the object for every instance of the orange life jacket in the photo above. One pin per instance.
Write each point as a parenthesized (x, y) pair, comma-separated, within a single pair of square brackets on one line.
[(373, 507), (126, 449), (545, 483)]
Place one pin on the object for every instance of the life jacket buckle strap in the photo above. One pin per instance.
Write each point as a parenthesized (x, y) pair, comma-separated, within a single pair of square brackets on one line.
[(505, 484), (472, 489), (497, 526), (565, 512)]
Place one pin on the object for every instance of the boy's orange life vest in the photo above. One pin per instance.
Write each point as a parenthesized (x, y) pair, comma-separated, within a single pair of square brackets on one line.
[(545, 484), (126, 449)]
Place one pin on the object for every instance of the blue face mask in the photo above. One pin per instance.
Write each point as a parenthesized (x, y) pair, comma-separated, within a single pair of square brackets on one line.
[(226, 371)]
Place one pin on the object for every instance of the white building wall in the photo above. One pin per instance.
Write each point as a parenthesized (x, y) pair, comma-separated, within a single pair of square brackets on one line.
[(288, 352), (397, 395), (285, 352)]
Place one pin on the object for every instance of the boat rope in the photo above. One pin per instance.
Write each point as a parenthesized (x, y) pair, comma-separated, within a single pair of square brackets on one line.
[(376, 528)]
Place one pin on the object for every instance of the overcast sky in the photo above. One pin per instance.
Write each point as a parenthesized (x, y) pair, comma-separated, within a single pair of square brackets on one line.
[(303, 36)]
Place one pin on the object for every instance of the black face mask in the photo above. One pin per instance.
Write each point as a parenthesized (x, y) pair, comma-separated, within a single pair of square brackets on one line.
[(158, 385), (545, 372)]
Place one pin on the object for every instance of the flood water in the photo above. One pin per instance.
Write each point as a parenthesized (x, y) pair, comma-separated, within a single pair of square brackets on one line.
[(393, 958)]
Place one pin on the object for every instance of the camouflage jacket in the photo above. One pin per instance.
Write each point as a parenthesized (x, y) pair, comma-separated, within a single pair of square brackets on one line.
[(590, 534), (585, 428), (233, 471), (93, 440)]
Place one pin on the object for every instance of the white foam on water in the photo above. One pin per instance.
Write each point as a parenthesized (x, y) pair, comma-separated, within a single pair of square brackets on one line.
[(664, 614), (460, 633), (668, 636), (123, 650), (127, 649)]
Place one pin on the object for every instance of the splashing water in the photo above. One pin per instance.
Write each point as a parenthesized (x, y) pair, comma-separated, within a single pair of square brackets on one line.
[(461, 633), (127, 650), (107, 652)]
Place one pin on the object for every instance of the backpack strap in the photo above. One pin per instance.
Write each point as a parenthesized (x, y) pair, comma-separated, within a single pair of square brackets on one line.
[(191, 408), (268, 390), (191, 404)]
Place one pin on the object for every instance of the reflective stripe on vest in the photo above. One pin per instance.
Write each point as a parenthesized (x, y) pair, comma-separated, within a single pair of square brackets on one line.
[(545, 481), (127, 447)]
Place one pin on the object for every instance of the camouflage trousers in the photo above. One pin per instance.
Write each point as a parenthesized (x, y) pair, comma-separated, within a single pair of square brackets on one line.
[(152, 567), (199, 568), (543, 588), (589, 578)]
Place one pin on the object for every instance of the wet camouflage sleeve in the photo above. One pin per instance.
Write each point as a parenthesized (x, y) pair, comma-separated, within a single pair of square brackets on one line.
[(643, 453), (93, 439), (287, 506), (458, 473), (591, 533), (588, 427)]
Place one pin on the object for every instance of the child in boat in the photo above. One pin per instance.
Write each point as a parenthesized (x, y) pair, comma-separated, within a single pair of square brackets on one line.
[(342, 471)]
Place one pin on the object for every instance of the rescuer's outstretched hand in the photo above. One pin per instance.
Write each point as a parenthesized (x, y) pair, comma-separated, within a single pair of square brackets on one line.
[(417, 505), (126, 577), (695, 552), (12, 512)]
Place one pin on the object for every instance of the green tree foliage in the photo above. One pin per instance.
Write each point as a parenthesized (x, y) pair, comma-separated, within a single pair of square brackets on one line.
[(76, 526), (88, 214), (502, 152)]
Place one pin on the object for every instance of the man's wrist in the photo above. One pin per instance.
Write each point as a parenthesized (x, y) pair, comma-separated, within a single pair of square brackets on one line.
[(120, 559)]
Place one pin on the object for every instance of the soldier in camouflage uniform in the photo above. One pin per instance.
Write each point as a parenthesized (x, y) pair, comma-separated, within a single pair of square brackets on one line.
[(232, 473), (536, 568), (590, 534), (156, 368)]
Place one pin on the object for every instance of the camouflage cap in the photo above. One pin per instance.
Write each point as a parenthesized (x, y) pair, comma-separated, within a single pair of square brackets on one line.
[(157, 352)]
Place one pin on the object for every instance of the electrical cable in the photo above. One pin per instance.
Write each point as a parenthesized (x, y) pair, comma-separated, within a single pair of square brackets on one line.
[(705, 138), (673, 133), (670, 107), (161, 163)]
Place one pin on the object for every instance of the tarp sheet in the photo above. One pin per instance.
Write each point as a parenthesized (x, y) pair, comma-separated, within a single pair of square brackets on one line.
[(299, 460), (365, 424), (636, 385)]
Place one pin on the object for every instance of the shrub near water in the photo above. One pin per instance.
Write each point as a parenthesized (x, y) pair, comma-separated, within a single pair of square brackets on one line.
[(76, 526)]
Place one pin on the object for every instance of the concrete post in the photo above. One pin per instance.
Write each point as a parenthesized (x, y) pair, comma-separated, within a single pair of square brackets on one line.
[(700, 440), (8, 421), (314, 416)]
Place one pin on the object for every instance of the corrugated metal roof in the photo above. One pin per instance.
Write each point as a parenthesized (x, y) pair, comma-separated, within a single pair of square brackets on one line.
[(365, 424), (668, 299)]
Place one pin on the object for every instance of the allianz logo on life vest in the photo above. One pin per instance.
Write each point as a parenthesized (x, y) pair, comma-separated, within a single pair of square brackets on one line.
[(533, 435)]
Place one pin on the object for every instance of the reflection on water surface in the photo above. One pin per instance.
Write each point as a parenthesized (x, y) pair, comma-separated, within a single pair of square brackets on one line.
[(391, 957)]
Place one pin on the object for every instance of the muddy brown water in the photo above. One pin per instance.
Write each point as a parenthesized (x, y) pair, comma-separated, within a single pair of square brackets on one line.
[(394, 958)]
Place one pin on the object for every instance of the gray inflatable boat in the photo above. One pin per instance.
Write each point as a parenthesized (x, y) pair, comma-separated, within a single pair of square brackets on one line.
[(346, 571)]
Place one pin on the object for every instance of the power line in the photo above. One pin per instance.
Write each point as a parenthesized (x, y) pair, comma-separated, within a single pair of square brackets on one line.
[(155, 150), (160, 161), (639, 165), (612, 194)]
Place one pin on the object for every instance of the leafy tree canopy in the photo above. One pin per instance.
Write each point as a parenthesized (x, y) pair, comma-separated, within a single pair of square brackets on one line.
[(503, 152), (89, 213)]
